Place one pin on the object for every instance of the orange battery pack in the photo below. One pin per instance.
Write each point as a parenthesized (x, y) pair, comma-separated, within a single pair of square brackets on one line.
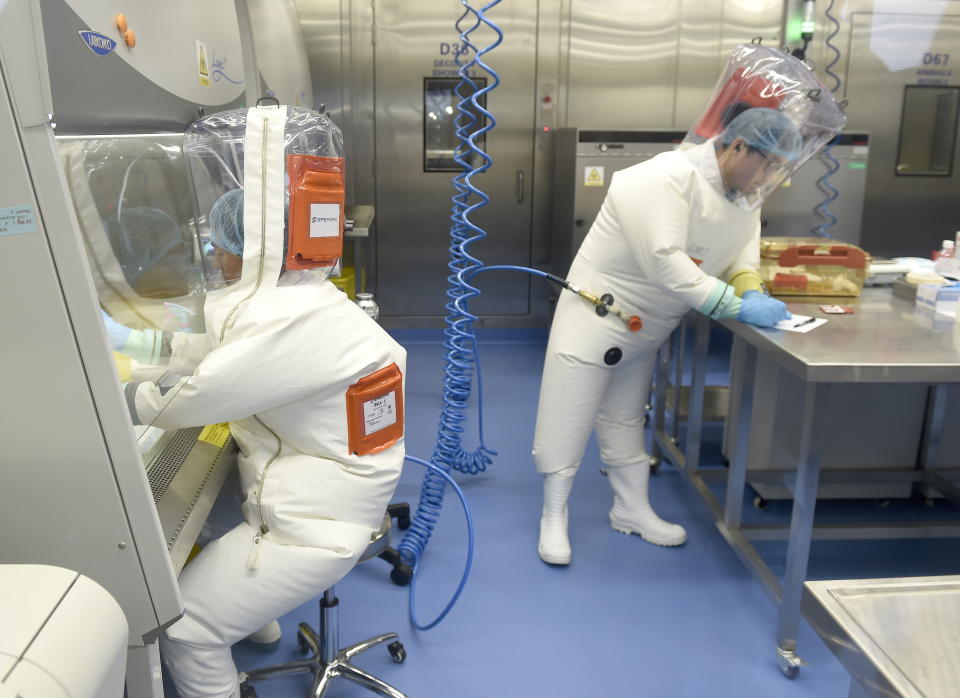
[(375, 411), (317, 195)]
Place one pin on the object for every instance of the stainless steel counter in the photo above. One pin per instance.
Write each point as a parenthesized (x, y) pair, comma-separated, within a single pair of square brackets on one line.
[(896, 637), (884, 340)]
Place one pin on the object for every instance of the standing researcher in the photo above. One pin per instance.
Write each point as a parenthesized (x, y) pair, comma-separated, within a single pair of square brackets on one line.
[(678, 232)]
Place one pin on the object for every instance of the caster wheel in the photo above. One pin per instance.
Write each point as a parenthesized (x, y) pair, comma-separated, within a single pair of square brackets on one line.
[(401, 512), (791, 672), (247, 691), (760, 504), (401, 574), (302, 644), (397, 651), (789, 663)]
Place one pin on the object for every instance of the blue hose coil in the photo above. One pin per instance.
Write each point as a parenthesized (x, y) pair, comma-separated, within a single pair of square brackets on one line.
[(461, 357), (443, 475), (823, 184)]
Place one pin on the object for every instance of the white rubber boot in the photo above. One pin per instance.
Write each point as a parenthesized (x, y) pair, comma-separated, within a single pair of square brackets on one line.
[(631, 512), (554, 546), (266, 638)]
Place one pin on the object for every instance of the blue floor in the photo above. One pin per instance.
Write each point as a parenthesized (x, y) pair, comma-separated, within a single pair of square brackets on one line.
[(624, 619)]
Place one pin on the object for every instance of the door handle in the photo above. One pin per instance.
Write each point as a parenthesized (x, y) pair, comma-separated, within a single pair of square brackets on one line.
[(519, 186)]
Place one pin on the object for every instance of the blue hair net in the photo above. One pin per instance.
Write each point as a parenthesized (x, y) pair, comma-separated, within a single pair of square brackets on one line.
[(768, 130), (226, 222)]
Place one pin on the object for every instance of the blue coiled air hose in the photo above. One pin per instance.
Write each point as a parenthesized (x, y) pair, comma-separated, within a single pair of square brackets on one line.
[(438, 472), (823, 184), (460, 360)]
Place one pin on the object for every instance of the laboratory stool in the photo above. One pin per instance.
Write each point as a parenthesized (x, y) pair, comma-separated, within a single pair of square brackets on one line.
[(326, 662), (402, 573)]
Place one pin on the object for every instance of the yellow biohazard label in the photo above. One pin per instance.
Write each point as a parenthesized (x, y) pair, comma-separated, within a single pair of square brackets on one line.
[(216, 434), (593, 176), (203, 67)]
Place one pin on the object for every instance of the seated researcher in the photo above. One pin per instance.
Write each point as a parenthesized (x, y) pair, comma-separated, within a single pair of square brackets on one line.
[(287, 351)]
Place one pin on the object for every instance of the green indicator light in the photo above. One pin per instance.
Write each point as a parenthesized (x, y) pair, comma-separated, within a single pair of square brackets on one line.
[(856, 165), (794, 29)]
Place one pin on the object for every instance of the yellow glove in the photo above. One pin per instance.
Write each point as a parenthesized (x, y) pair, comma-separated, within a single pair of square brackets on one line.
[(124, 366), (746, 280)]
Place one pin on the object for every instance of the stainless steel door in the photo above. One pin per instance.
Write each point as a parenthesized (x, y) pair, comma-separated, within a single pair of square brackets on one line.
[(414, 41), (904, 214)]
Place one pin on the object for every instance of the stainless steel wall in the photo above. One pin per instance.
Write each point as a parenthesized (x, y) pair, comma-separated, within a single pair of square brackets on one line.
[(639, 64), (883, 47), (621, 64), (591, 63)]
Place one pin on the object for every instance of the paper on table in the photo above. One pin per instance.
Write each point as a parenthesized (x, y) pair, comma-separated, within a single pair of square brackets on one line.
[(800, 323)]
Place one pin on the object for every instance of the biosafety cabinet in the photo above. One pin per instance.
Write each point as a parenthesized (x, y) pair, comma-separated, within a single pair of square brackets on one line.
[(98, 228)]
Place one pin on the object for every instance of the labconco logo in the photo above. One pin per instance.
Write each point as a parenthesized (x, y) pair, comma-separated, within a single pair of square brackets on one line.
[(98, 43)]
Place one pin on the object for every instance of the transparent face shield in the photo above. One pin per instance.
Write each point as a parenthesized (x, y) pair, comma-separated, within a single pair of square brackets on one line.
[(768, 115), (311, 238)]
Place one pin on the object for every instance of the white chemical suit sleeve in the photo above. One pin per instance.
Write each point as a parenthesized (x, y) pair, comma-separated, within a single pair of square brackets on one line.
[(653, 211), (238, 379), (743, 273)]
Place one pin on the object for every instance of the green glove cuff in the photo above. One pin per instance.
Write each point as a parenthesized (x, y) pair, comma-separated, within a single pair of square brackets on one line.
[(147, 346), (722, 303)]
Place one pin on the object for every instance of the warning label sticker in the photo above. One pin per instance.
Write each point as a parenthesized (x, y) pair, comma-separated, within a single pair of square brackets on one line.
[(379, 413), (203, 64), (593, 176), (17, 220), (216, 434)]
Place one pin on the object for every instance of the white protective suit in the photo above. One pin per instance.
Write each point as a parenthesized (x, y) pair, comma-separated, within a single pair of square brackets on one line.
[(664, 234), (282, 359)]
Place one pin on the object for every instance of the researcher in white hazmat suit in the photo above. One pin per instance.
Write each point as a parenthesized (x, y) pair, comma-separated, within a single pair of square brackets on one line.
[(311, 388), (677, 232)]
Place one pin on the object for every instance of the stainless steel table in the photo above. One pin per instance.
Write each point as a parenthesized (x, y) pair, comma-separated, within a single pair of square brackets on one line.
[(880, 342), (896, 637)]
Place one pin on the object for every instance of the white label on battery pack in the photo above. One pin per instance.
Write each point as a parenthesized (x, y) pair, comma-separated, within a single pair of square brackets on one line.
[(324, 220), (379, 413)]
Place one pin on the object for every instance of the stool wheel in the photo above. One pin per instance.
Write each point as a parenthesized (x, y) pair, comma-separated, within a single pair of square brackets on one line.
[(401, 574), (302, 644), (397, 651)]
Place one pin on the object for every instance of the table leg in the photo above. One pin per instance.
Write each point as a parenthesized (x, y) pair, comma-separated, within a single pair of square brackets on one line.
[(698, 386), (660, 398), (677, 350), (801, 530), (737, 476)]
